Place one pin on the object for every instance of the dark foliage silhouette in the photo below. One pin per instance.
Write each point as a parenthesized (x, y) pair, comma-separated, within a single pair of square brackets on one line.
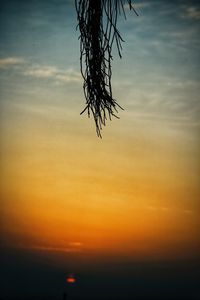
[(97, 22)]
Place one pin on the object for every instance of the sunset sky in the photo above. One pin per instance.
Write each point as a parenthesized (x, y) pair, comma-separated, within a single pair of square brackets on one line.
[(70, 199)]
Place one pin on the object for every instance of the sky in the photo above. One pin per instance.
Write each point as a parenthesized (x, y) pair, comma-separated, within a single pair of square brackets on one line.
[(122, 209)]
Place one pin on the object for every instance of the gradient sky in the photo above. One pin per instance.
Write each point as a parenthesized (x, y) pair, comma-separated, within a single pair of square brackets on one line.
[(71, 198)]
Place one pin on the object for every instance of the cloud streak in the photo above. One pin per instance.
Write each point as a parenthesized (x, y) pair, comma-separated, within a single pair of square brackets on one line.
[(192, 12), (41, 71), (10, 62), (137, 5), (69, 249), (166, 209), (52, 72)]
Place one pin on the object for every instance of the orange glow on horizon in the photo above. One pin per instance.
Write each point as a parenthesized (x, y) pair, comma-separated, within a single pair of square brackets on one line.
[(94, 201)]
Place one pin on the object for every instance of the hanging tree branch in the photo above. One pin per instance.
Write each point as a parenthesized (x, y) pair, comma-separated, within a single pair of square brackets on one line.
[(97, 22)]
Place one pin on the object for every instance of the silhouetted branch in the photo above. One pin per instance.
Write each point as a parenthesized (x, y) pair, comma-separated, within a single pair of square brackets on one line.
[(97, 22)]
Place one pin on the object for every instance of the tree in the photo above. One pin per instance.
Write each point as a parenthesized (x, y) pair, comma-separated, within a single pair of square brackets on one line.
[(97, 22)]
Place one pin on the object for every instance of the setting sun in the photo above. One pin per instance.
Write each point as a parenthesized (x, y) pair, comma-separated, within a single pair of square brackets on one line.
[(71, 279)]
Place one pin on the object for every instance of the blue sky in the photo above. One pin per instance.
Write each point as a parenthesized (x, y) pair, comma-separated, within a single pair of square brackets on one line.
[(157, 77)]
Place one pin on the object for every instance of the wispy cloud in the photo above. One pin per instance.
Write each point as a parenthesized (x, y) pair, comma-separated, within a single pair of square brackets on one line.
[(137, 5), (68, 249), (52, 72), (11, 61), (157, 208), (56, 249), (41, 71), (191, 12), (75, 244), (166, 209)]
